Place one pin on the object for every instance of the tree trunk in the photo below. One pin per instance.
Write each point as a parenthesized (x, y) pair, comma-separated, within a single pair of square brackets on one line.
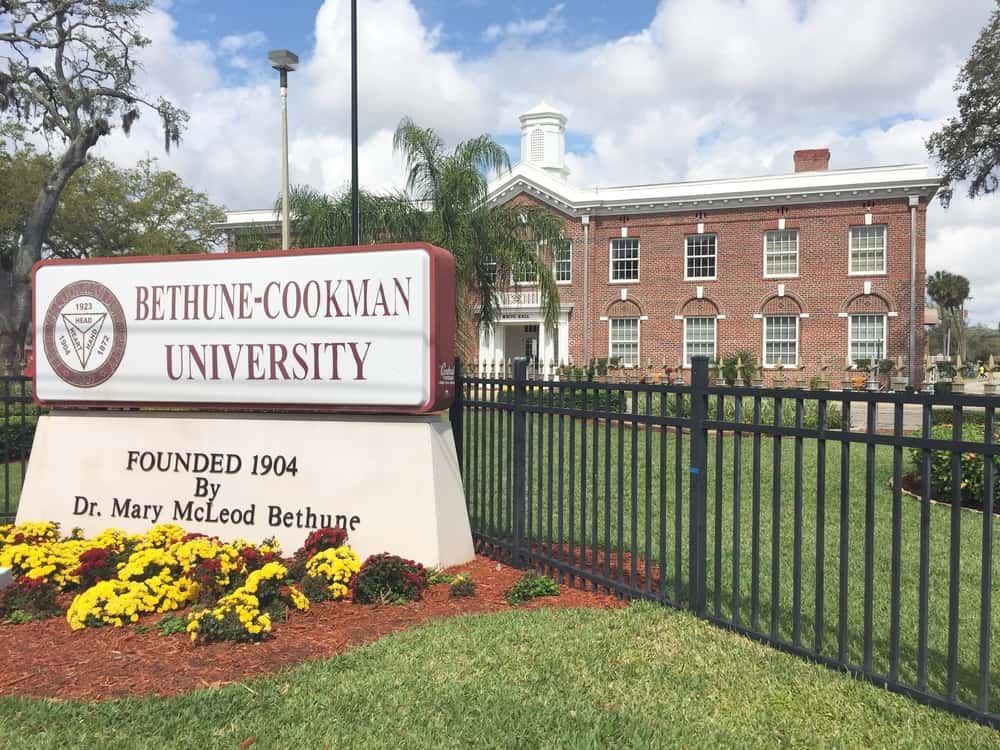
[(15, 319)]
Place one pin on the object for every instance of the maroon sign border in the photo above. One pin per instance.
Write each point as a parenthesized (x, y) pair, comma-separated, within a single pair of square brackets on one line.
[(442, 330)]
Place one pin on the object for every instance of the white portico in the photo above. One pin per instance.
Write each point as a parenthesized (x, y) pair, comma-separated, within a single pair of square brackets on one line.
[(520, 331)]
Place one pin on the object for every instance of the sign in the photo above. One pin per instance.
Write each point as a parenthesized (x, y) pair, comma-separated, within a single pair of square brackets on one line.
[(352, 328), (254, 476)]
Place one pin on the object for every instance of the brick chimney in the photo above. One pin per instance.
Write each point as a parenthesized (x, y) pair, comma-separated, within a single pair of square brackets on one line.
[(812, 160)]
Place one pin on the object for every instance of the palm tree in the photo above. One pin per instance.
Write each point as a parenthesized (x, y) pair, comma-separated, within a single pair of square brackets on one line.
[(490, 243), (446, 205), (949, 292)]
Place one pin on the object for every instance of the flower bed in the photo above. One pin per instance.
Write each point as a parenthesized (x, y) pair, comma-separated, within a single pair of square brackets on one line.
[(232, 591)]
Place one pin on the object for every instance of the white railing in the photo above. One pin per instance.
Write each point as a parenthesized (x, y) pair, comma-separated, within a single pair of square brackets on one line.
[(520, 298)]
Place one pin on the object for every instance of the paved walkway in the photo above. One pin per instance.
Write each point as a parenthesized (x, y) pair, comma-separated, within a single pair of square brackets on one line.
[(912, 413)]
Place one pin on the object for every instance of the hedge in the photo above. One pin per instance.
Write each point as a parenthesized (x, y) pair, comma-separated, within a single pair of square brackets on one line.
[(16, 437), (972, 486)]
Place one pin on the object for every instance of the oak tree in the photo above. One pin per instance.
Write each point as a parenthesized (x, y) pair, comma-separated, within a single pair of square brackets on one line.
[(71, 75)]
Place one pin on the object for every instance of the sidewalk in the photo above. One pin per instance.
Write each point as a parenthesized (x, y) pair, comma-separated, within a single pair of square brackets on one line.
[(912, 413)]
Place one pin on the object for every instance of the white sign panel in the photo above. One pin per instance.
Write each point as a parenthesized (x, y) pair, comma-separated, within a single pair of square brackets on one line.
[(253, 477), (340, 328)]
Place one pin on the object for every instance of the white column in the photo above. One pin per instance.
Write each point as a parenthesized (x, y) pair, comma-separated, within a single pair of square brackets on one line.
[(542, 344), (562, 331)]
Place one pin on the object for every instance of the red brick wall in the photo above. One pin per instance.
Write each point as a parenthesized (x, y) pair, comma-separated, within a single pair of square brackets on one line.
[(822, 289)]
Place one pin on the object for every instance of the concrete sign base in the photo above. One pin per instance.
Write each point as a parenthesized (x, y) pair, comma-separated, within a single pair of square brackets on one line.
[(392, 481)]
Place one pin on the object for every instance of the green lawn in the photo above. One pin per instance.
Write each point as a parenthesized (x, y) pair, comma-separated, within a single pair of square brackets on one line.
[(636, 491), (10, 486), (646, 676)]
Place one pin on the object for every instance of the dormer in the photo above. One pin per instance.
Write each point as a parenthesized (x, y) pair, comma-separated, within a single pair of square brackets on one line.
[(543, 139)]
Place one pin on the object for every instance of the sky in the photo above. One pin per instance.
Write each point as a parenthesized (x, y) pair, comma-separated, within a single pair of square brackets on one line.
[(654, 92)]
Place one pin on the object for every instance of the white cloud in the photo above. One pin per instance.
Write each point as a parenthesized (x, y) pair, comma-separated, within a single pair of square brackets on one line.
[(711, 88), (233, 43), (527, 27)]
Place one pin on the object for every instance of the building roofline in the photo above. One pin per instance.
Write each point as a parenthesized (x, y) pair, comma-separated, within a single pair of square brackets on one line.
[(868, 183)]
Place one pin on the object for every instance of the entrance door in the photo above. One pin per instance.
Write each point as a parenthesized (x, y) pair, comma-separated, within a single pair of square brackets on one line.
[(531, 343)]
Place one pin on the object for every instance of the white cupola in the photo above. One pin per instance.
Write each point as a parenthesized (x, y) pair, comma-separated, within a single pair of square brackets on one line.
[(543, 139)]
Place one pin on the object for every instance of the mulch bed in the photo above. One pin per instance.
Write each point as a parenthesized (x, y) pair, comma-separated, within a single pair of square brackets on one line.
[(48, 660)]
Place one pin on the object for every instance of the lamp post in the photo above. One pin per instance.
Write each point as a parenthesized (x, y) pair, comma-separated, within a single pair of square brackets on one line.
[(355, 208), (283, 61)]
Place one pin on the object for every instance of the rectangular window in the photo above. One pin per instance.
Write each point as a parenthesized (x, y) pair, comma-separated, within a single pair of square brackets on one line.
[(781, 252), (867, 249), (781, 340), (525, 273), (490, 268), (625, 259), (562, 260), (624, 340), (867, 337), (699, 338), (699, 260)]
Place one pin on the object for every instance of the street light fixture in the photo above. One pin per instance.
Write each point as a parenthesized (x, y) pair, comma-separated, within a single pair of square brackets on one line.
[(284, 61)]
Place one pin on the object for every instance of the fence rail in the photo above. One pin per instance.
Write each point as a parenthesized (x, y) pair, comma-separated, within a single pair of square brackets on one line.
[(860, 543)]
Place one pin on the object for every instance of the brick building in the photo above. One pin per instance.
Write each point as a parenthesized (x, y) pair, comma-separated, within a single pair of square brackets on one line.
[(813, 263)]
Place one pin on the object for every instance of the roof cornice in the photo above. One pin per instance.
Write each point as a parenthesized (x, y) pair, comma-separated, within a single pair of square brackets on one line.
[(877, 183)]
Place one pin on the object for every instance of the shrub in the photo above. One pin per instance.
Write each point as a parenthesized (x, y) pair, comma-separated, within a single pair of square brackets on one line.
[(386, 578), (28, 599), (248, 612), (973, 489), (329, 573), (16, 436), (462, 586), (328, 537), (322, 539), (531, 586), (742, 375), (96, 564)]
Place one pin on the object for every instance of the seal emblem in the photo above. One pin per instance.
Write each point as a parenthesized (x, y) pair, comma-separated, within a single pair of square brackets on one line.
[(84, 334)]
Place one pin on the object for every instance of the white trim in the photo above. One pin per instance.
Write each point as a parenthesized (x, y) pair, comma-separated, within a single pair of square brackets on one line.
[(685, 257), (781, 290), (781, 224), (868, 287), (842, 315), (798, 258), (611, 262), (763, 335), (720, 317), (885, 254), (869, 218), (625, 232), (803, 315), (624, 294), (699, 292), (758, 316), (603, 318), (643, 317), (892, 314), (684, 344), (701, 227), (678, 317)]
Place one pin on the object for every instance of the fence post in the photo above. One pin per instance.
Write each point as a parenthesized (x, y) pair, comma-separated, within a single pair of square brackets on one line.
[(455, 413), (518, 451), (698, 521)]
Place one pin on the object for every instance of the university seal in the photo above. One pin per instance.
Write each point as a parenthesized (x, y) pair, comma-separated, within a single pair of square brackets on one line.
[(84, 334)]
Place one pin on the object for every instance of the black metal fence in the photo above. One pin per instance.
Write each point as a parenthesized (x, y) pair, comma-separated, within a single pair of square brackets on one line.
[(849, 527), (18, 414)]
